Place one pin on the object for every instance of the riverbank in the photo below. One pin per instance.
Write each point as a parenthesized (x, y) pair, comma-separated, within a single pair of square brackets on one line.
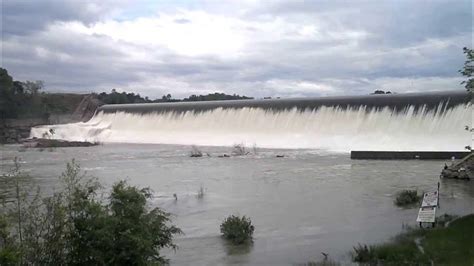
[(68, 108), (450, 245), (56, 143), (464, 169)]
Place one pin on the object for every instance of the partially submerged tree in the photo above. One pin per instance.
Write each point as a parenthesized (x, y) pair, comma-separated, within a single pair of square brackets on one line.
[(237, 229)]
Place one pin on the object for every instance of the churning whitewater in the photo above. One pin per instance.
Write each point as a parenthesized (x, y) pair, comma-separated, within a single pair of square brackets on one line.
[(328, 128)]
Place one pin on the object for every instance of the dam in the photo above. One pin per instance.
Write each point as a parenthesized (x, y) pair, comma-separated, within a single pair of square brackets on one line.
[(433, 121)]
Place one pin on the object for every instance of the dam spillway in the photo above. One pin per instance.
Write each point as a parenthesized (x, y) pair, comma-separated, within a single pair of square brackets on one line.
[(398, 122), (395, 102)]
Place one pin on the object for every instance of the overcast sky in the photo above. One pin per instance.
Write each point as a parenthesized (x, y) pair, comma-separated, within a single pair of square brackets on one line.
[(256, 48)]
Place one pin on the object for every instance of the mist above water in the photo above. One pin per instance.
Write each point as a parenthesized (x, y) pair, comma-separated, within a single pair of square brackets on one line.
[(328, 128)]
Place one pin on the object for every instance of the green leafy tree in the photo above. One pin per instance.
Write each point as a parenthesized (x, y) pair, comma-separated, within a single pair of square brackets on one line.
[(75, 226), (6, 85), (138, 234), (468, 70)]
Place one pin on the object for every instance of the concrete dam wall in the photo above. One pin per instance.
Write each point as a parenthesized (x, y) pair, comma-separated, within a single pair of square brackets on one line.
[(394, 122), (396, 102)]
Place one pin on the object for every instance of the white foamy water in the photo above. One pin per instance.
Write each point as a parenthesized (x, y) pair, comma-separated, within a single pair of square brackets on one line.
[(328, 128)]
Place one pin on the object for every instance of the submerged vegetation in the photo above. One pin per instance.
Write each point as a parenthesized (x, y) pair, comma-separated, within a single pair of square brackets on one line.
[(200, 193), (195, 151), (237, 229), (75, 226), (451, 245), (240, 150), (407, 198)]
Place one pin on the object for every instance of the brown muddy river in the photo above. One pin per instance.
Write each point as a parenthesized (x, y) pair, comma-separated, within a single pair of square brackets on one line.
[(305, 203)]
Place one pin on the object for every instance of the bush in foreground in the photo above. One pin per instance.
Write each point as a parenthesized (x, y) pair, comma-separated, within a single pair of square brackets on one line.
[(407, 197), (237, 229), (74, 226)]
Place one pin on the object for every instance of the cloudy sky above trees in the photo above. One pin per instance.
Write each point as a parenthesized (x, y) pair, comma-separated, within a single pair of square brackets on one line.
[(258, 48)]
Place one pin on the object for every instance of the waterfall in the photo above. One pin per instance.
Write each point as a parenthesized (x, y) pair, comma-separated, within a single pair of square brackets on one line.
[(329, 128)]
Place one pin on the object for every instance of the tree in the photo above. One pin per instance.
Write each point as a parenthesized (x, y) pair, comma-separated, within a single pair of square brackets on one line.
[(6, 85), (6, 81), (468, 70), (33, 87), (75, 226)]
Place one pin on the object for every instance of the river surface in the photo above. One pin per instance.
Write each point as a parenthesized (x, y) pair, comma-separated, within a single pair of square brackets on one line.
[(305, 203)]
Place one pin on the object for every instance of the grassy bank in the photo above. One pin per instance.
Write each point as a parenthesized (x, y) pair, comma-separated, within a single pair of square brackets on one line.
[(452, 245)]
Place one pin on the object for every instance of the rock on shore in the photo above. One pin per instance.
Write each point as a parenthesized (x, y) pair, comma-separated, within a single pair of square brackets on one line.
[(463, 169)]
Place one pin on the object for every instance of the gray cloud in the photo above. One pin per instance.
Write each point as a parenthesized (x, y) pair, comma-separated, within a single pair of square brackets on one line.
[(397, 45), (23, 17)]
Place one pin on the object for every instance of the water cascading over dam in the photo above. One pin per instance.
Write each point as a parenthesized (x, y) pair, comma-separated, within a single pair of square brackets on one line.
[(418, 121)]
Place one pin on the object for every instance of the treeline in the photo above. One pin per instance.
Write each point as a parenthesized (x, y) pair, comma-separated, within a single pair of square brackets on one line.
[(115, 97), (26, 99), (19, 98), (381, 92), (215, 97)]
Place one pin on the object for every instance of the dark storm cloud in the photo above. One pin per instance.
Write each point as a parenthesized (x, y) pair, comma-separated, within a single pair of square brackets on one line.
[(22, 17)]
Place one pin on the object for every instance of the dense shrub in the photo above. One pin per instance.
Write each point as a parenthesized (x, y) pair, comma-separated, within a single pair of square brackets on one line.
[(407, 197), (237, 229), (75, 226)]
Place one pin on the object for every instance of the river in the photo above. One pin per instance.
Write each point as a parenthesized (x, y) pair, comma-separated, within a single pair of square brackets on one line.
[(308, 202)]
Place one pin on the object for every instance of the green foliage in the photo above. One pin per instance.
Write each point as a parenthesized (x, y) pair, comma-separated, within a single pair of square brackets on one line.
[(25, 99), (407, 198), (324, 262), (468, 69), (115, 97), (20, 98), (363, 253), (6, 87), (74, 226), (237, 229), (381, 92), (137, 234), (403, 252), (9, 253), (215, 97), (452, 245)]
